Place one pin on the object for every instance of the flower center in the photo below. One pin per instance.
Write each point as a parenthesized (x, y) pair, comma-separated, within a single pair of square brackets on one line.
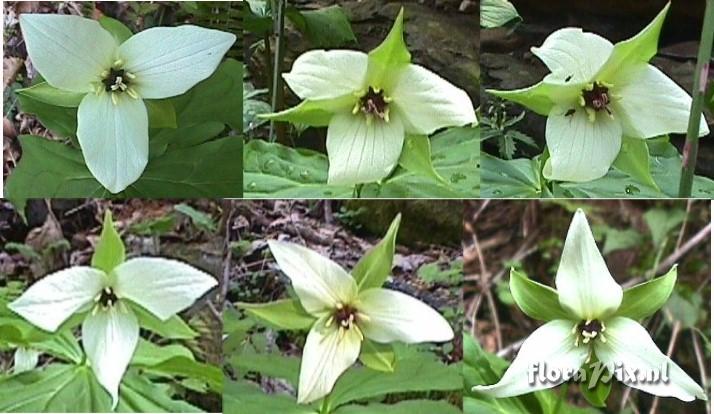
[(346, 318), (107, 298), (596, 97), (373, 104), (589, 330), (117, 80)]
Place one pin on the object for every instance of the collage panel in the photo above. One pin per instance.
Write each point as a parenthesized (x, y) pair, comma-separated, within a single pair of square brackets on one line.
[(344, 307), (613, 297), (593, 99), (361, 99), (111, 306), (122, 99)]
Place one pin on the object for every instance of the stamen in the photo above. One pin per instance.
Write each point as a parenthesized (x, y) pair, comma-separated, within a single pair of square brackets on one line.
[(118, 62), (131, 92), (129, 75), (114, 99)]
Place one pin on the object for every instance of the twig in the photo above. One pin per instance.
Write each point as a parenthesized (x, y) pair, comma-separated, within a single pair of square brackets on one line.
[(702, 366), (698, 238), (691, 147), (486, 291)]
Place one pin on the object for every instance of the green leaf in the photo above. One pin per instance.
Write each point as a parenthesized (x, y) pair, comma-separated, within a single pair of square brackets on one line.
[(247, 398), (594, 388), (519, 178), (180, 366), (52, 169), (534, 299), (149, 354), (218, 98), (286, 314), (200, 219), (496, 13), (643, 300), (639, 48), (117, 29), (389, 56), (278, 171), (634, 159), (161, 113), (271, 365), (661, 222), (416, 157), (418, 373), (325, 27), (375, 266), (172, 328), (379, 357), (45, 93), (109, 252), (435, 272), (616, 239), (403, 407), (685, 306), (61, 121), (73, 388)]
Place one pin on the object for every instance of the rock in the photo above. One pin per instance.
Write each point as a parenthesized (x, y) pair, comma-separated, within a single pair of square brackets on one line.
[(423, 221)]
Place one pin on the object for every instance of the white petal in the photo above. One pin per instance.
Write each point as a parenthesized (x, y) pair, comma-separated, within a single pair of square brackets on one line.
[(114, 138), (55, 297), (320, 74), (327, 354), (630, 347), (552, 347), (110, 338), (394, 316), (580, 150), (361, 152), (163, 286), (319, 282), (585, 286), (652, 104), (427, 102), (25, 360), (168, 61), (573, 56), (70, 52)]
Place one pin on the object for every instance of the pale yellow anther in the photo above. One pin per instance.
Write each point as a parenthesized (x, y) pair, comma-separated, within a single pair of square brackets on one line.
[(104, 74), (602, 338), (129, 75), (590, 87), (131, 92), (356, 109), (363, 317), (114, 99), (581, 101), (388, 99), (118, 62), (386, 115), (329, 321)]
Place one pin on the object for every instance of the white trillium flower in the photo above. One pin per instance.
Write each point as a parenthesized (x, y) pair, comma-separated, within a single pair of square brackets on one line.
[(590, 297), (110, 331), (25, 359), (596, 93), (345, 317), (372, 105), (77, 55)]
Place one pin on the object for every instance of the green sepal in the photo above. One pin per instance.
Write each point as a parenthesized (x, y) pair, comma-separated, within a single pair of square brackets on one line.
[(312, 113), (538, 98), (46, 93), (643, 300), (391, 55), (596, 394), (172, 328), (110, 251), (534, 299), (285, 314), (374, 267), (638, 49), (119, 31), (379, 357), (634, 159), (416, 157)]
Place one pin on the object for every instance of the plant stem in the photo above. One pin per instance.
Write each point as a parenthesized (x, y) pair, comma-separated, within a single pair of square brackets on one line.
[(561, 397), (691, 148), (277, 131)]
